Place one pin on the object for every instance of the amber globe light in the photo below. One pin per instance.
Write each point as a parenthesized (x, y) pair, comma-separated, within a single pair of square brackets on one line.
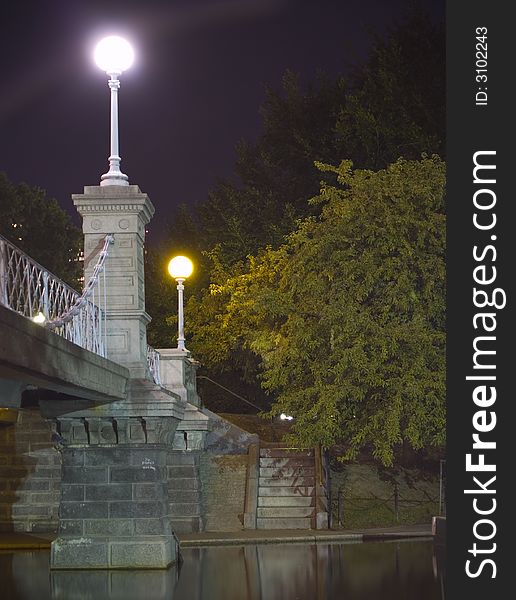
[(180, 267)]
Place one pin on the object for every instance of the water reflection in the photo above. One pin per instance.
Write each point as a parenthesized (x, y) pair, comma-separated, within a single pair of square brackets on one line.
[(390, 571)]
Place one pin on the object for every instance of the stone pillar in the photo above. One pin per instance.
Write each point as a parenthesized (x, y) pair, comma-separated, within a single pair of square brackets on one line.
[(114, 509), (178, 374), (123, 211)]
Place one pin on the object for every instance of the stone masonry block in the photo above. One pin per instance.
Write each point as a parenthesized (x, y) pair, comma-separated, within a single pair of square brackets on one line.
[(184, 483), (182, 471), (81, 553), (106, 527), (136, 509), (85, 474), (40, 485), (73, 457), (83, 510), (124, 456), (184, 496), (136, 474), (149, 491), (32, 511), (107, 492), (71, 527), (181, 458), (46, 473), (71, 492), (157, 553), (189, 509), (148, 526)]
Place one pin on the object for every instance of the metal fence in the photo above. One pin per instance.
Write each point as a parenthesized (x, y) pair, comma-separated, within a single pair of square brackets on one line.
[(29, 289), (153, 357), (348, 509)]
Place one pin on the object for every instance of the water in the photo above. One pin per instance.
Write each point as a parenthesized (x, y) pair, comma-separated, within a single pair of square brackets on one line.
[(387, 571)]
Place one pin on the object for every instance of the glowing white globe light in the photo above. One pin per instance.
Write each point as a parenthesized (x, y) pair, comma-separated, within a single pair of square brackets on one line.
[(113, 55), (180, 267), (39, 318), (285, 417)]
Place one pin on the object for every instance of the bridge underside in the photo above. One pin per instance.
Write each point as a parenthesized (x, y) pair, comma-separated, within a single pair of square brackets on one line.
[(32, 355)]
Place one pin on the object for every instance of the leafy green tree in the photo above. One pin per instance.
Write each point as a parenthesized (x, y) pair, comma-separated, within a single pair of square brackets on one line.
[(347, 317), (395, 106), (390, 106), (41, 228)]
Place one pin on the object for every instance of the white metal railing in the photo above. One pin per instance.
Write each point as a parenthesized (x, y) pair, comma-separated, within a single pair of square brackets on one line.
[(153, 357), (31, 290)]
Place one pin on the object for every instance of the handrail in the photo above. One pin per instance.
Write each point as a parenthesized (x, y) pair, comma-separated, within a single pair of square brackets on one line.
[(29, 289)]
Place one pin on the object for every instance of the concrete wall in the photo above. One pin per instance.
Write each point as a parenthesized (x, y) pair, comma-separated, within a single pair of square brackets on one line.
[(223, 491), (30, 474)]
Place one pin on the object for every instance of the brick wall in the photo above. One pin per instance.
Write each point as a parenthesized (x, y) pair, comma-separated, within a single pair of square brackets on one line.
[(30, 474), (223, 498)]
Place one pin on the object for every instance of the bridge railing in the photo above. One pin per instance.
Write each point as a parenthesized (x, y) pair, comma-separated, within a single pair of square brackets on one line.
[(153, 357), (29, 289)]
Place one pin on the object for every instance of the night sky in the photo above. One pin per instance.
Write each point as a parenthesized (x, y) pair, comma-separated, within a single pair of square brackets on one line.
[(194, 91)]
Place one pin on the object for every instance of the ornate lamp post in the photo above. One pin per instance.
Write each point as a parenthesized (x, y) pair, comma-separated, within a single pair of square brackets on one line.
[(114, 55), (180, 267)]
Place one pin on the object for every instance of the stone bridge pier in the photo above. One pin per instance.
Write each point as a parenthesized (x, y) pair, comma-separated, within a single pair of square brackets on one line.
[(114, 510)]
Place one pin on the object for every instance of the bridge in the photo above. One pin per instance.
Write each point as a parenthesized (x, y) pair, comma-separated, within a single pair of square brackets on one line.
[(116, 411), (125, 418)]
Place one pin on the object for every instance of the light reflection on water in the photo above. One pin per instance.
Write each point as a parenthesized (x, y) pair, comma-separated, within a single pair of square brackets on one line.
[(386, 571)]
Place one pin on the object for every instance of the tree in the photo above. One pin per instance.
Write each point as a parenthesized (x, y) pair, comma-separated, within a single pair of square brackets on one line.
[(347, 317), (390, 106), (396, 102), (41, 228)]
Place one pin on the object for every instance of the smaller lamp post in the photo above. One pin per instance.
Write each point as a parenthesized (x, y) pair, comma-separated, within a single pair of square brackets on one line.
[(114, 55), (180, 267)]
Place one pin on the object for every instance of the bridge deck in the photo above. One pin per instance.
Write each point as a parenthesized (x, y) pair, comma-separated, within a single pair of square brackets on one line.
[(31, 354)]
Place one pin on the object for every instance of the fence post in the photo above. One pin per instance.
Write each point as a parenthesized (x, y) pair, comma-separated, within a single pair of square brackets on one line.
[(396, 501)]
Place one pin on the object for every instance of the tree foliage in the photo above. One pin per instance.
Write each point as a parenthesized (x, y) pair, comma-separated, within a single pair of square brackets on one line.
[(347, 317), (41, 228), (387, 107)]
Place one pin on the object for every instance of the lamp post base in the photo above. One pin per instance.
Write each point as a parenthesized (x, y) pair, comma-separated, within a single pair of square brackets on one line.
[(114, 178)]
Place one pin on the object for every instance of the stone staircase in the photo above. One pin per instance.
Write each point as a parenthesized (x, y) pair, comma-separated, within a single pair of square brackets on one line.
[(184, 491), (287, 490)]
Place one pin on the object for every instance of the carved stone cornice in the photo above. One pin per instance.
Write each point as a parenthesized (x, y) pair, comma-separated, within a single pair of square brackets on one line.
[(114, 200)]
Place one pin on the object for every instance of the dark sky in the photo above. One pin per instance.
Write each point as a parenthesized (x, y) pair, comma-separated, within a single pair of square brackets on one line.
[(194, 91)]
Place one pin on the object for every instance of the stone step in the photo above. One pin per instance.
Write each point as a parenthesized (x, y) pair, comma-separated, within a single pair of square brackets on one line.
[(301, 492), (184, 483), (284, 523), (288, 472), (286, 481), (286, 501), (288, 512), (300, 461), (285, 453)]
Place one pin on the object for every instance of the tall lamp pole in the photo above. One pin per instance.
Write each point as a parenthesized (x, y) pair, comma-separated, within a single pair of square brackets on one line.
[(114, 55), (180, 267)]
